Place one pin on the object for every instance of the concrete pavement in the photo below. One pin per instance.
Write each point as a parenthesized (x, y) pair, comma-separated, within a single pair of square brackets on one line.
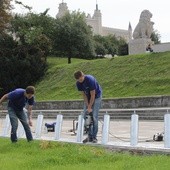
[(119, 134)]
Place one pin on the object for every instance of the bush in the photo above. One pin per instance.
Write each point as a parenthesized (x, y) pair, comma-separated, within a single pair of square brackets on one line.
[(20, 67)]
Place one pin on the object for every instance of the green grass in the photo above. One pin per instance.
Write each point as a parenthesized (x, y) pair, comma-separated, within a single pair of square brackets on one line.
[(127, 76), (45, 155)]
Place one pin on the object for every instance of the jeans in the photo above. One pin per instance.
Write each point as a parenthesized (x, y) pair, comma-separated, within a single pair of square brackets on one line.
[(93, 130), (14, 116)]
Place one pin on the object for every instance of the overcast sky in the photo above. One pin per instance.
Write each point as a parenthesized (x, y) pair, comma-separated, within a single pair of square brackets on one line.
[(115, 13)]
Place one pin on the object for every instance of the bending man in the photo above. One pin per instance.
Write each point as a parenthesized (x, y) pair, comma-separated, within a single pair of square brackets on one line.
[(17, 100), (92, 95)]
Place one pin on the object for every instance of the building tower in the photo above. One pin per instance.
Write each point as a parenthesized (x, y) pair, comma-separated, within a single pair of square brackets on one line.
[(95, 21), (130, 31), (97, 16), (62, 10)]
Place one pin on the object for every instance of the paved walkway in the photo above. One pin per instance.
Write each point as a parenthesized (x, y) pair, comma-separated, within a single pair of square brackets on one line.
[(119, 136)]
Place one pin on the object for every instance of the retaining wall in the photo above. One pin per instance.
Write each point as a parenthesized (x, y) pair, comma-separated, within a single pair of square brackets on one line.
[(116, 103), (161, 47), (148, 108)]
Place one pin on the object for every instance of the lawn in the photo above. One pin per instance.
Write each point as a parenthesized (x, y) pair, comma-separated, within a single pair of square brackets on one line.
[(46, 155), (124, 76)]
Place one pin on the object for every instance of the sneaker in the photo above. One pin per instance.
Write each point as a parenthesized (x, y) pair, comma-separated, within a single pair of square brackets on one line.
[(30, 140), (94, 140), (87, 140)]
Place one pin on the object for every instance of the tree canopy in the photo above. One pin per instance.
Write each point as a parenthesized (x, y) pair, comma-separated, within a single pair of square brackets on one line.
[(5, 15), (33, 29), (110, 45), (155, 37), (73, 37)]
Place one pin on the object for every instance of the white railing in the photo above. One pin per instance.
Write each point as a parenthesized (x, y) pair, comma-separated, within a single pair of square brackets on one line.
[(134, 129), (145, 113)]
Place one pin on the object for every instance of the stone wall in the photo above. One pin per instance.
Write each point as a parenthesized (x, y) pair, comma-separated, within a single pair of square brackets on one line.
[(117, 103), (161, 47), (148, 108), (138, 46)]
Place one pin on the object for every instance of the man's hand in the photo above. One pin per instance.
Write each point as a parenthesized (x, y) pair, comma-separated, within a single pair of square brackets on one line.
[(30, 115), (30, 122), (89, 109)]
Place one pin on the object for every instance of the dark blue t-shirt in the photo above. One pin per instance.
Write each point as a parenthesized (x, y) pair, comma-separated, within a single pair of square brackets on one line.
[(17, 99), (89, 84)]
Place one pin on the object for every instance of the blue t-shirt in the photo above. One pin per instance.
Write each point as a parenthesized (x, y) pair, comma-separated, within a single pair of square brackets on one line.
[(17, 99), (89, 84)]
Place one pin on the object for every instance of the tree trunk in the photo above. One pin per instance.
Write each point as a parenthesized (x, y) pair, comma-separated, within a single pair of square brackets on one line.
[(69, 58)]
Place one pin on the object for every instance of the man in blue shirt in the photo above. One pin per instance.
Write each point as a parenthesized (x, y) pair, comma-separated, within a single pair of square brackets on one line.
[(17, 100), (92, 95)]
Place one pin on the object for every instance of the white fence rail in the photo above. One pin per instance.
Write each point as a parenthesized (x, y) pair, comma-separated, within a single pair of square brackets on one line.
[(57, 135)]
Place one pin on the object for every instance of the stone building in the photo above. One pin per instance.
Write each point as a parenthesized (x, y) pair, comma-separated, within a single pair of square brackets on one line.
[(95, 22)]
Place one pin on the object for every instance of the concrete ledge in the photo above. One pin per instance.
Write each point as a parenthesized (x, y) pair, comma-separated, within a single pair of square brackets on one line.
[(115, 103), (138, 150), (148, 108)]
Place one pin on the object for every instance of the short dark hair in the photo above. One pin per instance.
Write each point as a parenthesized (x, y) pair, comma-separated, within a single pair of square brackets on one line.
[(30, 90), (78, 74)]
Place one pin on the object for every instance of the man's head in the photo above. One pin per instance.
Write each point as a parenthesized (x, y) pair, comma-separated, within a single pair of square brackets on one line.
[(30, 91), (79, 76)]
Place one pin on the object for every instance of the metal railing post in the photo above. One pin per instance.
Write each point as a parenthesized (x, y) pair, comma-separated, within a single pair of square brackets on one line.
[(167, 130), (105, 130), (58, 126), (39, 124), (80, 130), (6, 126), (134, 130)]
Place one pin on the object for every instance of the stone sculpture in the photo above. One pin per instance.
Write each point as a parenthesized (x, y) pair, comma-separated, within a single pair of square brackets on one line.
[(144, 28)]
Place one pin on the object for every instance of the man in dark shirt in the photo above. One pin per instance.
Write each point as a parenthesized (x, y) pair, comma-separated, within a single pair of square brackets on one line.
[(17, 100), (92, 95)]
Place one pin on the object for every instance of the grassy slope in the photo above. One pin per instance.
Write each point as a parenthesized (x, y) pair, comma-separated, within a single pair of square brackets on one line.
[(44, 155), (140, 75)]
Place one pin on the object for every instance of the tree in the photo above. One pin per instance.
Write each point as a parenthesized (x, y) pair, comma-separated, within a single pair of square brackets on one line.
[(73, 37), (110, 45), (33, 29), (23, 51), (99, 46), (5, 7), (7, 42), (23, 5), (20, 66), (155, 37), (122, 47)]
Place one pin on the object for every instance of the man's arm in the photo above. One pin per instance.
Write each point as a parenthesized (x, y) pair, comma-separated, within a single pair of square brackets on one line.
[(85, 99), (30, 115), (4, 98), (92, 98)]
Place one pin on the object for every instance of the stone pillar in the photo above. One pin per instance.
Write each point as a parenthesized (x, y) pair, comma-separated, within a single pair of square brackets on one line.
[(138, 46)]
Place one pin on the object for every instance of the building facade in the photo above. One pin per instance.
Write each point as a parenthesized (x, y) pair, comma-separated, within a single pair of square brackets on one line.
[(95, 22)]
